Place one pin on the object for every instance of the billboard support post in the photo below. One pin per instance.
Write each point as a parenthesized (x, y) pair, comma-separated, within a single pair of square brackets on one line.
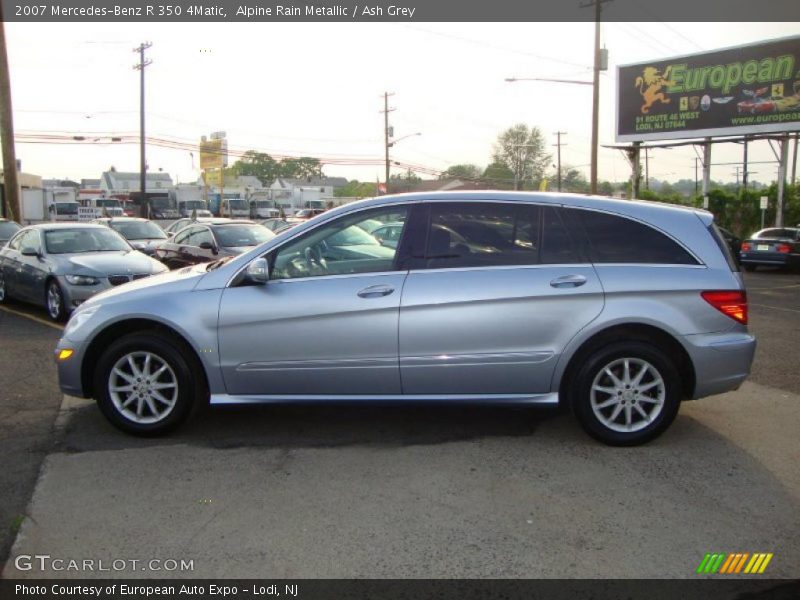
[(794, 163), (706, 166), (784, 161), (634, 158)]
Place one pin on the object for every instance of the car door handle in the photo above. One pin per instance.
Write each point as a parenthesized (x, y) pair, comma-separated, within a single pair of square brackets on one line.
[(376, 291), (566, 281)]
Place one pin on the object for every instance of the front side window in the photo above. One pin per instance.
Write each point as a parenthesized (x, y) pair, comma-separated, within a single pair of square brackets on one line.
[(200, 235), (339, 248), (182, 237), (482, 235), (616, 239), (16, 241)]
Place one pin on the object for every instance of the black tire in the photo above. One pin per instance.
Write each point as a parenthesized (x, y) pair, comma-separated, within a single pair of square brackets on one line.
[(660, 365), (3, 288), (190, 389), (749, 268), (57, 313)]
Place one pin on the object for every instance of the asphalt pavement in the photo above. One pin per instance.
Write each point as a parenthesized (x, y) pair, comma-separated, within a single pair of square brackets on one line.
[(415, 491)]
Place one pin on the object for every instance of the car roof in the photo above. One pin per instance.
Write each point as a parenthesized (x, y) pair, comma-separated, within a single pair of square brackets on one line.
[(234, 222), (116, 219), (71, 225)]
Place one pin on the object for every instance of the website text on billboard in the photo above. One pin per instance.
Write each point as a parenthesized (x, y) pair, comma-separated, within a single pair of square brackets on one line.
[(735, 91)]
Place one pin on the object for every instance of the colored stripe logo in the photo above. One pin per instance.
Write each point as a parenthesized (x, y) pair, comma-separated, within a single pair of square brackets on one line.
[(734, 563)]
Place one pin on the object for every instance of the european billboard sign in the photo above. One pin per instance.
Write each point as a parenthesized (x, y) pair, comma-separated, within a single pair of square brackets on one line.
[(735, 91)]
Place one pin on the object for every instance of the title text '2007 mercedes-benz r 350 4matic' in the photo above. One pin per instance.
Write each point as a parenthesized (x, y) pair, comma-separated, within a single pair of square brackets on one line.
[(618, 309)]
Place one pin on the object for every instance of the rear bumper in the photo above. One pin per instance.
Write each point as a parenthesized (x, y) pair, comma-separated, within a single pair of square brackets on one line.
[(721, 361), (776, 259)]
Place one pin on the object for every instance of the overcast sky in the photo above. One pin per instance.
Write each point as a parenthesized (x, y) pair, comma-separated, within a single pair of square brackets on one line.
[(315, 89)]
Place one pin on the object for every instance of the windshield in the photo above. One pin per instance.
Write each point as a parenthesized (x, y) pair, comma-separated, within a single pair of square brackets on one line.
[(264, 203), (233, 236), (237, 204), (192, 204), (160, 203), (66, 208), (138, 230), (74, 241), (107, 202), (352, 236), (7, 229)]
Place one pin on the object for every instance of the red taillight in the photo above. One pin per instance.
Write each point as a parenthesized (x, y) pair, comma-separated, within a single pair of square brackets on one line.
[(732, 304), (784, 248), (745, 247)]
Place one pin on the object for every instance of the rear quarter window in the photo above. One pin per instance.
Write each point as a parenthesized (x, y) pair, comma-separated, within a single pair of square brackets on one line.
[(617, 239)]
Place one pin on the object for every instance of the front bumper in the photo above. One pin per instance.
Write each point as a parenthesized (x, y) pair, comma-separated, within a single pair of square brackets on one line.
[(69, 370), (721, 361), (75, 295)]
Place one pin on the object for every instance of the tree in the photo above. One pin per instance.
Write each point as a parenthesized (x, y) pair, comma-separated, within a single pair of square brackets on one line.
[(522, 150), (403, 182), (304, 167), (499, 176), (257, 164), (465, 171), (356, 189)]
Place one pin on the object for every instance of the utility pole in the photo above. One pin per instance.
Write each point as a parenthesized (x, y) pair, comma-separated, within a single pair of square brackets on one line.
[(794, 163), (745, 172), (140, 66), (558, 145), (595, 88), (647, 168), (386, 110), (736, 172), (695, 176), (10, 179)]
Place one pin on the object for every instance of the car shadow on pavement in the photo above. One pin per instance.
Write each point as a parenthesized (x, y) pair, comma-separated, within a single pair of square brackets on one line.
[(320, 426)]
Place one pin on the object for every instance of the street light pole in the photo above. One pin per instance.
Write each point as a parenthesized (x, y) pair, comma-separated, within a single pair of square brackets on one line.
[(142, 158)]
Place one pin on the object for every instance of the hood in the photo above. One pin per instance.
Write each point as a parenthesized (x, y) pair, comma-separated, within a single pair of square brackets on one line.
[(182, 279), (108, 263)]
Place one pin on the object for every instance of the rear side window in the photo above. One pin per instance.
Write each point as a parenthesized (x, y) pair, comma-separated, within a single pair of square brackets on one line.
[(723, 246), (482, 235), (616, 239)]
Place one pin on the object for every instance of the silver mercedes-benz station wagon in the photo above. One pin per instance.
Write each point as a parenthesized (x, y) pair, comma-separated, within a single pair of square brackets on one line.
[(618, 309)]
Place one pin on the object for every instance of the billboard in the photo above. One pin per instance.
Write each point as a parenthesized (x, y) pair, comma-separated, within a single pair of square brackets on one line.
[(213, 153), (734, 91)]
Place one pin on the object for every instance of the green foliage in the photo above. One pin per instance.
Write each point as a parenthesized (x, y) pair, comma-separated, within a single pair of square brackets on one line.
[(741, 213), (499, 176), (267, 169), (465, 171), (356, 189), (521, 149)]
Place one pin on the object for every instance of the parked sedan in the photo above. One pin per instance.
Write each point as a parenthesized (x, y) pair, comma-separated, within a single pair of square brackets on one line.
[(212, 240), (59, 266), (775, 246), (569, 307), (186, 221), (7, 230), (142, 234)]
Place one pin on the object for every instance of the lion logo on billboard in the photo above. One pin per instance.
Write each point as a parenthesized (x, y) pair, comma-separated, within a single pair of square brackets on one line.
[(654, 82)]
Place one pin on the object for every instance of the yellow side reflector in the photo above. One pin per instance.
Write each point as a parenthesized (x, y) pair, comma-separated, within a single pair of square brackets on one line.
[(65, 354)]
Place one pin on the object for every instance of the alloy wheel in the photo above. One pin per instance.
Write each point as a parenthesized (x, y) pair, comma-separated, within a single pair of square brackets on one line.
[(627, 394), (143, 387), (54, 301)]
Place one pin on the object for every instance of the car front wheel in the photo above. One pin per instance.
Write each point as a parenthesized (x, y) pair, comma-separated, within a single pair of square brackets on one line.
[(144, 385), (626, 393), (54, 298)]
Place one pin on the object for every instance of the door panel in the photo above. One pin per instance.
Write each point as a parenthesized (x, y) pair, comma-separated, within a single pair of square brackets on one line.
[(317, 335), (498, 330)]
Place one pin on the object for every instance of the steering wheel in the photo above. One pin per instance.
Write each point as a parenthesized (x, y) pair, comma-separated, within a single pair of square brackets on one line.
[(315, 262)]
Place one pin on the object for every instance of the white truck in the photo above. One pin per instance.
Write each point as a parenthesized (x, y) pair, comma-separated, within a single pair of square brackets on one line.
[(48, 205), (262, 206), (95, 208)]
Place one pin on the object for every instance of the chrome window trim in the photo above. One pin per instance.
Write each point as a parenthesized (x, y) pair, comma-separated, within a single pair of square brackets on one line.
[(338, 276), (502, 267)]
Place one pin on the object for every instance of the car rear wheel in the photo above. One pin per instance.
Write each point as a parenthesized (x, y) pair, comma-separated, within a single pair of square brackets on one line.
[(54, 300), (144, 384), (626, 393)]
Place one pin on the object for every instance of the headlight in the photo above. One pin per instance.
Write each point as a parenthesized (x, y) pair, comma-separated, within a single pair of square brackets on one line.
[(82, 280), (79, 318)]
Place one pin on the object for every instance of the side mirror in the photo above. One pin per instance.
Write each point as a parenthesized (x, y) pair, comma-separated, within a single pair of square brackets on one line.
[(257, 271), (209, 246), (29, 251)]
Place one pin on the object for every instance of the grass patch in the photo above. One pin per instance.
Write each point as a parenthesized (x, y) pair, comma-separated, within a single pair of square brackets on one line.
[(17, 523)]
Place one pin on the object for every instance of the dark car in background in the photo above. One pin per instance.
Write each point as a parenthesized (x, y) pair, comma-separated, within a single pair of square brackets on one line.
[(734, 242), (212, 240), (276, 225), (175, 227), (142, 234), (774, 247), (7, 230)]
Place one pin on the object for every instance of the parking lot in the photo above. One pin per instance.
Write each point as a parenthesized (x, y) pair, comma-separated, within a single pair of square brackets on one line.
[(452, 492)]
